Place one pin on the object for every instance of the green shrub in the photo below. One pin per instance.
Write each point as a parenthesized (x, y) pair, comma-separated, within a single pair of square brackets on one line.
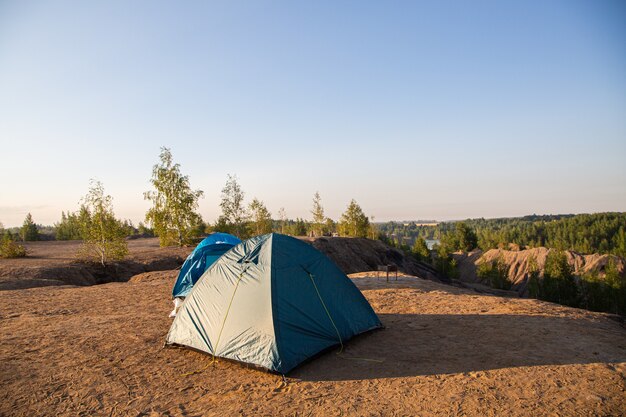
[(495, 273), (9, 248)]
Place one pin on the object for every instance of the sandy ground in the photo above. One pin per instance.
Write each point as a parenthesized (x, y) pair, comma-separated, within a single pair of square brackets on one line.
[(63, 252), (91, 351), (53, 263)]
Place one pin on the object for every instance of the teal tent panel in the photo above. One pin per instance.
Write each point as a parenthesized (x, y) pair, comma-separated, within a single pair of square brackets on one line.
[(316, 305), (202, 257)]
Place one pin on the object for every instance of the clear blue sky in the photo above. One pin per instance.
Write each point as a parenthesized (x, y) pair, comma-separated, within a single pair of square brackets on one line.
[(418, 110)]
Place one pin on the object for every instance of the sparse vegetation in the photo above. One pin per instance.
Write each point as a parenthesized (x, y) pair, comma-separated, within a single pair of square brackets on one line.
[(174, 204), (353, 221), (9, 248), (495, 273), (592, 290), (104, 235)]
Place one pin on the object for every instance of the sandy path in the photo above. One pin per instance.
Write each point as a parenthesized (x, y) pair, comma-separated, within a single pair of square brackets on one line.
[(98, 351)]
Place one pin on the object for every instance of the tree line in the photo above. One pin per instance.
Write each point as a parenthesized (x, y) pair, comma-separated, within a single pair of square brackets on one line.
[(173, 217), (603, 233)]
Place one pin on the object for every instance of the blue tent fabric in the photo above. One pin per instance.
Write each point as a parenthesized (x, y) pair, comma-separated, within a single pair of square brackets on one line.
[(273, 301), (202, 257)]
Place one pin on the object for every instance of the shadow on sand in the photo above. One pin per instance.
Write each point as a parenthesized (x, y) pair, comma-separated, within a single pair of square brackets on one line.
[(414, 344)]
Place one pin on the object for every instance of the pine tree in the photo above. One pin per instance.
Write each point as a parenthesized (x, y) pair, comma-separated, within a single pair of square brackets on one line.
[(420, 250), (353, 221), (28, 231), (466, 237)]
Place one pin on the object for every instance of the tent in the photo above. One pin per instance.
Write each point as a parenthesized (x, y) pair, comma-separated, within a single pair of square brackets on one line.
[(203, 256), (272, 301)]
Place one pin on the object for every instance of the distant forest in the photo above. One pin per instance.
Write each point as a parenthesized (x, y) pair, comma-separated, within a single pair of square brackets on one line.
[(584, 233)]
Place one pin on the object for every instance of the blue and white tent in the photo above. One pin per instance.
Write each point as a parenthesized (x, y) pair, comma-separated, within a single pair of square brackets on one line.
[(273, 301), (202, 257)]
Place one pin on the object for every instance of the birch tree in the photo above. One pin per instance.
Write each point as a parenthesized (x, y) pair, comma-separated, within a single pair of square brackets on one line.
[(104, 236), (173, 214)]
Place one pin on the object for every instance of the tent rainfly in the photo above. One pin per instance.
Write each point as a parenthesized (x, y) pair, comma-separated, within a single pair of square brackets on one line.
[(202, 257), (273, 301)]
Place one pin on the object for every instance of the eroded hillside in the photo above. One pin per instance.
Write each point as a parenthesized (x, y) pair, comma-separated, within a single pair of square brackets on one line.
[(520, 264)]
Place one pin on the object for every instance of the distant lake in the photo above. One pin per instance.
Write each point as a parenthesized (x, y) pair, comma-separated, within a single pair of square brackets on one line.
[(431, 242)]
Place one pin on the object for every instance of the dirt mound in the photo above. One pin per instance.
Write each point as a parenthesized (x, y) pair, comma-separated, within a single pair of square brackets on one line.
[(169, 276), (358, 255), (98, 350), (519, 263)]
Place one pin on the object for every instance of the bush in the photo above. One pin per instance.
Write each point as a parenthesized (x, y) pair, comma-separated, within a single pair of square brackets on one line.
[(496, 273), (9, 248)]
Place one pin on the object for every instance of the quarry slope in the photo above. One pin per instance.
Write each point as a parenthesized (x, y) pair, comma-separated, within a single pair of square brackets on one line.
[(519, 263)]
